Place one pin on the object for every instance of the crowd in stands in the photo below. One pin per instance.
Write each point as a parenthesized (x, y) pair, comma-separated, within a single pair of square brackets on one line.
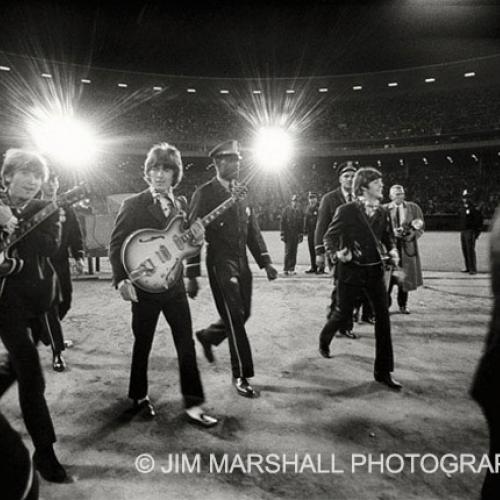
[(437, 188), (402, 118)]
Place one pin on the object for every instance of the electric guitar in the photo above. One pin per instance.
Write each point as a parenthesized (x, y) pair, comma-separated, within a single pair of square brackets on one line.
[(152, 258), (10, 264)]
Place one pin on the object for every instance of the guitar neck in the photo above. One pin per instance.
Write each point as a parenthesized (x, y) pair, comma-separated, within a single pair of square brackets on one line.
[(28, 226), (217, 211)]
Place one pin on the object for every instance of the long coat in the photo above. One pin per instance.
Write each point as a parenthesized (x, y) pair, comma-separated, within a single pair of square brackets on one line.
[(408, 247)]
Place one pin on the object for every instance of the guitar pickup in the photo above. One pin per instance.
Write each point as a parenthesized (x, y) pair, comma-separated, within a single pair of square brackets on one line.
[(164, 251)]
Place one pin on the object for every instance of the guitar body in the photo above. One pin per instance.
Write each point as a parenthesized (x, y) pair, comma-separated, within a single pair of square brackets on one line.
[(153, 257)]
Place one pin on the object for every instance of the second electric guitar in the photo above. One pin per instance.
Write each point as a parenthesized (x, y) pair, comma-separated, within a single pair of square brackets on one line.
[(152, 258)]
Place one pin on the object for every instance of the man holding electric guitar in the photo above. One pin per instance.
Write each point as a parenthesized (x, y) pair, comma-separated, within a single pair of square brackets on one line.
[(227, 264), (146, 261), (28, 288)]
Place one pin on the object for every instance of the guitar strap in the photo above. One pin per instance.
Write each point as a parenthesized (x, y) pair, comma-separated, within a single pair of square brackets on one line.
[(375, 239)]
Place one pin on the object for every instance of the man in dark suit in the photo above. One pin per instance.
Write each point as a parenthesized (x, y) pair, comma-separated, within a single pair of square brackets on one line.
[(327, 208), (355, 236), (471, 225), (310, 220), (71, 241), (27, 292), (154, 208), (227, 264), (291, 228)]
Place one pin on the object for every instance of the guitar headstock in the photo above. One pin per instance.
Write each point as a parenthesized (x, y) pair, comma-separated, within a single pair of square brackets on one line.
[(239, 191), (74, 195)]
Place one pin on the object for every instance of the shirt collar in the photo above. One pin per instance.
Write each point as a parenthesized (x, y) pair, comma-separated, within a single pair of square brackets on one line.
[(169, 195), (225, 184)]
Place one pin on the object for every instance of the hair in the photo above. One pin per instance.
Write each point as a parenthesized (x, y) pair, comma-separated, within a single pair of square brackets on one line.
[(16, 160), (363, 177), (164, 154)]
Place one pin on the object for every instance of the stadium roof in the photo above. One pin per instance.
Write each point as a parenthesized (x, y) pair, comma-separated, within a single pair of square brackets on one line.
[(251, 39)]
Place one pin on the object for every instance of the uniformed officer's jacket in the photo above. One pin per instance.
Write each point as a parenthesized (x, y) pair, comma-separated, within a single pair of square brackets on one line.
[(310, 219), (227, 236), (327, 208)]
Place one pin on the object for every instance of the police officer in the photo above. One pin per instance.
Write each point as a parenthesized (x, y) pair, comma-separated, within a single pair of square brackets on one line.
[(310, 219), (327, 208), (471, 224), (227, 264)]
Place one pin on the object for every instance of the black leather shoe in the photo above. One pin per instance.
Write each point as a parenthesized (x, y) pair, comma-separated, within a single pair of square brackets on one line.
[(244, 388), (370, 320), (207, 347), (348, 333), (386, 379), (311, 271), (404, 310), (325, 352), (144, 408), (48, 466), (58, 363)]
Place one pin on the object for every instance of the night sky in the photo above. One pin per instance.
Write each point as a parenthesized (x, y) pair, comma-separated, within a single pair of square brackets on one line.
[(250, 39)]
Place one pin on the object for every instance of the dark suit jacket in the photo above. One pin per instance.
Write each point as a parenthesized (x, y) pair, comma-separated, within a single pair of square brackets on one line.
[(327, 208), (227, 236), (71, 238), (139, 211), (349, 228), (34, 288), (291, 224)]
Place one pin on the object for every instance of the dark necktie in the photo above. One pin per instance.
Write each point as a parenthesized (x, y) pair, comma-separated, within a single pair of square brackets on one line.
[(398, 217)]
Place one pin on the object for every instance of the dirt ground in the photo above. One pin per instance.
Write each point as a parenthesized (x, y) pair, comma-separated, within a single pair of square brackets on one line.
[(309, 406)]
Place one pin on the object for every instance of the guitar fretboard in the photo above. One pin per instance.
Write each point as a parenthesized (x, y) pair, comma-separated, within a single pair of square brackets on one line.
[(211, 216), (27, 226)]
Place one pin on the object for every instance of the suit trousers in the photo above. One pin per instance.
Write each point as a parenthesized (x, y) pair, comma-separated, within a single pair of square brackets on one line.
[(232, 291), (374, 287), (23, 364), (145, 315), (312, 251), (291, 247), (64, 276), (468, 240)]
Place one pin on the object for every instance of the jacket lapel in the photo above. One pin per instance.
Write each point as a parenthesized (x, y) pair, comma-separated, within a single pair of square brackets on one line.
[(154, 208)]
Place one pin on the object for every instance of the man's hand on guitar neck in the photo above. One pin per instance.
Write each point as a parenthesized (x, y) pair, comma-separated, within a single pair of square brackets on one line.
[(127, 291), (192, 288), (198, 232)]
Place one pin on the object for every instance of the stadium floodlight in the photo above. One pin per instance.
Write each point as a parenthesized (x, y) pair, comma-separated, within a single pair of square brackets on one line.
[(191, 91), (122, 85), (290, 91), (157, 88), (46, 75), (4, 68), (392, 84), (66, 139), (85, 80), (323, 90), (379, 163), (273, 148), (450, 159), (256, 91), (401, 161), (470, 74), (425, 161), (224, 91), (430, 80), (474, 157), (357, 87)]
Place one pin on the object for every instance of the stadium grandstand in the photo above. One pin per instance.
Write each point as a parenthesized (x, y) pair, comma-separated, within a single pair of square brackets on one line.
[(434, 129)]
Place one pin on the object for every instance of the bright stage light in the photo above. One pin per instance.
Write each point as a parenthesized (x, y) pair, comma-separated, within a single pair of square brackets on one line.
[(273, 148), (64, 138)]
